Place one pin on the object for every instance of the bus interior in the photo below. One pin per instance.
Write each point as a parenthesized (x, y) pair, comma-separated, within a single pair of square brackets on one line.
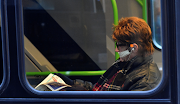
[(70, 36)]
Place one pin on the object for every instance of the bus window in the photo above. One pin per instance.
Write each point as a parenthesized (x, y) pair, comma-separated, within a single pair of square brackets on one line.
[(71, 37), (156, 23)]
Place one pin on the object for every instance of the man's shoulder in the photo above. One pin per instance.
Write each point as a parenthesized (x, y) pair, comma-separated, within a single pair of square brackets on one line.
[(148, 71), (144, 77)]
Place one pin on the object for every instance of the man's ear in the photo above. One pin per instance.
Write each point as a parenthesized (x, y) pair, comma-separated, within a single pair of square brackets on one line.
[(135, 46)]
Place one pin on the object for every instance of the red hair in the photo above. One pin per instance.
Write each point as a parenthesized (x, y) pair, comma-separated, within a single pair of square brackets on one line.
[(134, 30)]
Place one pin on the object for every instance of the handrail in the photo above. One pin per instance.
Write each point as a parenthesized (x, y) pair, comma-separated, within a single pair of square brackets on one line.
[(116, 19), (68, 73), (144, 8), (140, 2), (115, 11), (143, 3)]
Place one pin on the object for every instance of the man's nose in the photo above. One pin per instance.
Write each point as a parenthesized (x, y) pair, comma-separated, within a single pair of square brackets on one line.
[(116, 50)]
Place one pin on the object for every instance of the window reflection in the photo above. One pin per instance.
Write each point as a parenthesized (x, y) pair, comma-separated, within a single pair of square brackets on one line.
[(67, 35), (156, 23)]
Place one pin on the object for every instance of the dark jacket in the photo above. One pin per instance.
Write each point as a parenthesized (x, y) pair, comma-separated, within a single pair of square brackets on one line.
[(140, 74)]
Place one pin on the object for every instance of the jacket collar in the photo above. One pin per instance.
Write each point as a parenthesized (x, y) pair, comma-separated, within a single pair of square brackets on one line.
[(138, 61)]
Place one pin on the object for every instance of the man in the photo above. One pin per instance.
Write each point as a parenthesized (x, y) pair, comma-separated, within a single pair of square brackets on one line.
[(135, 69)]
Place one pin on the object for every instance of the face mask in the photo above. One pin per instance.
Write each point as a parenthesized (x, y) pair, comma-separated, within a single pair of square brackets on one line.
[(124, 53)]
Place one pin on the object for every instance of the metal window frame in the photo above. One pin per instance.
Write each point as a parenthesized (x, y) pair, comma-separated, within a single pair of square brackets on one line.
[(165, 93)]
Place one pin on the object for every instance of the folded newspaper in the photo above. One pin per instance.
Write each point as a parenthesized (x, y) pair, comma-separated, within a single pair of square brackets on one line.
[(52, 83)]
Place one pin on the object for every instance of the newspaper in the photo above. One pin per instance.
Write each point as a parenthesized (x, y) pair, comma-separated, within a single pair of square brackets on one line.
[(51, 83)]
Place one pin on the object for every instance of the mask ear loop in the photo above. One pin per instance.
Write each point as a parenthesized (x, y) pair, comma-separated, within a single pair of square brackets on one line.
[(132, 49)]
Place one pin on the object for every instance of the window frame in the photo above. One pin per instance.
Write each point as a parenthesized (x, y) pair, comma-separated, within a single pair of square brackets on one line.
[(168, 62), (5, 48)]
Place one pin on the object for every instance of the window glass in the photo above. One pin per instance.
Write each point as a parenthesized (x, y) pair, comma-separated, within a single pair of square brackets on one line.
[(156, 23), (68, 35), (71, 35)]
